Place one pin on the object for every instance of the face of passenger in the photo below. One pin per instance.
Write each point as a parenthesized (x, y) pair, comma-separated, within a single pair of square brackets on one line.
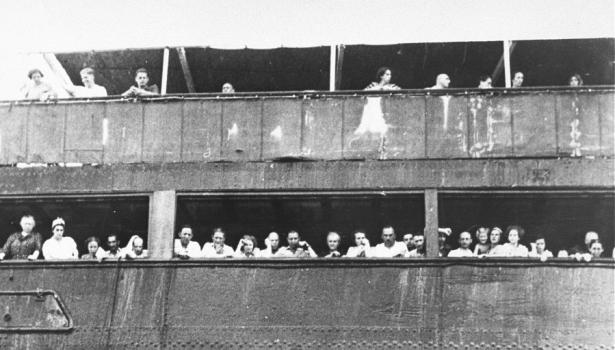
[(596, 249), (513, 236), (408, 240), (358, 238), (36, 77), (333, 242), (574, 81), (58, 231), (483, 236), (218, 238), (112, 243), (87, 79), (141, 79), (137, 246), (590, 236), (518, 80), (185, 235), (92, 247), (485, 84), (227, 88), (465, 239), (27, 224), (495, 237), (388, 236), (386, 77), (419, 241), (274, 240), (443, 80), (540, 245), (441, 238), (248, 246), (293, 239)]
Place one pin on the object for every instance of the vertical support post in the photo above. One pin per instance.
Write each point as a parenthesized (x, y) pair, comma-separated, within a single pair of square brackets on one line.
[(506, 55), (338, 67), (161, 224), (165, 71), (332, 68), (183, 60), (431, 223)]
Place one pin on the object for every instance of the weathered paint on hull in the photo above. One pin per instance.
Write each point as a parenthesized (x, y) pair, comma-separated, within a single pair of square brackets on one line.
[(427, 304)]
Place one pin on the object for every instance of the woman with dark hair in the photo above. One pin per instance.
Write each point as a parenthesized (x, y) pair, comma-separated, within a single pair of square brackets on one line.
[(246, 248), (513, 248), (38, 89), (93, 245), (575, 80), (383, 77), (495, 238)]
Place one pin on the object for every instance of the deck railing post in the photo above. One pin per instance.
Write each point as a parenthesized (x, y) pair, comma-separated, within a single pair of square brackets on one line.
[(161, 224), (431, 223)]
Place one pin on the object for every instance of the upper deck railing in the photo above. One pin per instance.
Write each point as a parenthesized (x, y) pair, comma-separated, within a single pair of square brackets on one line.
[(404, 124)]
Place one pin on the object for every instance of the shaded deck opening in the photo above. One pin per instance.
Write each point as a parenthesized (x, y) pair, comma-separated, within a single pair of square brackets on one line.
[(563, 218), (84, 217), (313, 216)]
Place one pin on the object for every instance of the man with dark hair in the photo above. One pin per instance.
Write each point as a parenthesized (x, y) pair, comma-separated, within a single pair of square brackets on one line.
[(185, 247), (484, 82), (25, 244), (114, 251), (517, 81), (296, 247), (141, 89), (408, 240), (389, 248), (419, 247)]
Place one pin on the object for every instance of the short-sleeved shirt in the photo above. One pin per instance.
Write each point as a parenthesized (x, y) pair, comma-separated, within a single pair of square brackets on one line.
[(18, 246), (382, 251), (209, 251), (62, 249), (193, 250), (94, 91)]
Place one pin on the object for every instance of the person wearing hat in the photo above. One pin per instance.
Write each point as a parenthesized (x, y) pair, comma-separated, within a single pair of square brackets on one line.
[(444, 248), (38, 89), (59, 247)]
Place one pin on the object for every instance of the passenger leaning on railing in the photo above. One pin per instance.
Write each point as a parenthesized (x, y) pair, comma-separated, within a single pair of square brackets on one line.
[(539, 249), (246, 248), (37, 89), (389, 248), (89, 88), (95, 252), (25, 244), (464, 251), (333, 243), (272, 244), (185, 247), (419, 247), (134, 248), (359, 250), (142, 88), (296, 247), (513, 248), (60, 247), (217, 248), (384, 76), (482, 246)]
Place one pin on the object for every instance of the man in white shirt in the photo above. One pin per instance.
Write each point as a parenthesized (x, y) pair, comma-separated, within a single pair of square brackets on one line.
[(89, 88), (185, 247), (464, 251), (217, 248), (361, 246), (296, 247), (389, 248), (59, 247)]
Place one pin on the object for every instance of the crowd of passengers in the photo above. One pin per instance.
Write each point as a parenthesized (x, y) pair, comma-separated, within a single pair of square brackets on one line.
[(484, 242), (38, 89)]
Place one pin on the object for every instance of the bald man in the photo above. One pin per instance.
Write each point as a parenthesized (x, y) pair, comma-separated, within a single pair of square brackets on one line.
[(442, 82)]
